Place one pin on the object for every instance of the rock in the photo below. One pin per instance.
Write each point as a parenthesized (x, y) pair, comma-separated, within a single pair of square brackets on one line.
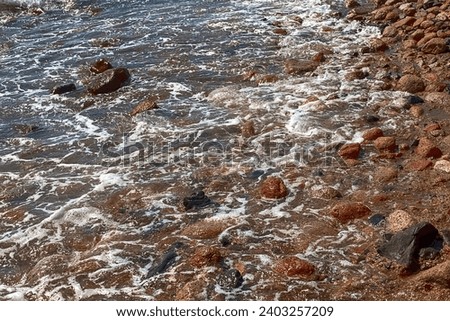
[(442, 165), (108, 81), (414, 100), (438, 274), (441, 99), (273, 188), (25, 129), (326, 193), (299, 67), (196, 200), (292, 266), (372, 134), (350, 151), (248, 129), (59, 90), (426, 148), (378, 45), (267, 79), (356, 74), (385, 174), (404, 246), (418, 165), (206, 229), (398, 220), (318, 57), (347, 211), (416, 111), (166, 261), (435, 46), (372, 118), (147, 104), (100, 66), (231, 279), (280, 31), (432, 127), (350, 4), (385, 143), (411, 84), (377, 219), (205, 256)]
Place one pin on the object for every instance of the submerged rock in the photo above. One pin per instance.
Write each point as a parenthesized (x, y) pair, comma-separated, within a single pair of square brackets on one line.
[(59, 90), (109, 81), (404, 247), (196, 200), (299, 67)]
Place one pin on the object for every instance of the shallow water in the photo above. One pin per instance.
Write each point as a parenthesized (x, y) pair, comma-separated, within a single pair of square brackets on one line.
[(91, 195)]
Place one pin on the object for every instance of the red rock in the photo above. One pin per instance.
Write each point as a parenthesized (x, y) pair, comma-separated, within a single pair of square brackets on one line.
[(417, 35), (273, 188), (441, 99), (100, 66), (318, 57), (426, 148), (372, 134), (267, 79), (417, 165), (347, 211), (385, 174), (416, 111), (385, 143), (378, 45), (432, 127), (435, 46), (108, 81), (411, 84), (299, 67), (206, 229), (294, 267), (407, 21), (147, 104), (350, 151), (280, 31), (248, 129), (205, 256)]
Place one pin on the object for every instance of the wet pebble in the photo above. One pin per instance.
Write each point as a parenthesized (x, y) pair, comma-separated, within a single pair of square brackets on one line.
[(273, 188), (372, 134), (384, 144), (347, 211), (427, 148), (59, 90), (350, 151), (294, 267)]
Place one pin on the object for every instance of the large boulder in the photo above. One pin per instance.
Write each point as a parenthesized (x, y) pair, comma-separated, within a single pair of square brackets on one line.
[(404, 246), (109, 81)]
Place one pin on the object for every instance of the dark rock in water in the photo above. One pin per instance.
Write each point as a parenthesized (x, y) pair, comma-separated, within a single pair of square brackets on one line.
[(372, 118), (109, 81), (231, 279), (25, 129), (59, 90), (196, 200), (376, 219), (404, 247), (414, 100), (100, 66), (166, 261), (256, 174)]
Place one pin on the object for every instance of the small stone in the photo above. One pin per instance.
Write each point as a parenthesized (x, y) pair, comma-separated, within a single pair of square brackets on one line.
[(418, 165), (426, 148), (350, 4), (347, 211), (196, 200), (318, 57), (100, 66), (147, 104), (377, 219), (350, 151), (432, 127), (205, 256), (267, 79), (248, 129), (416, 111), (411, 84), (372, 134), (356, 74), (385, 143), (326, 193), (280, 31), (378, 45), (109, 81), (59, 90), (414, 100), (294, 267), (398, 220), (231, 279), (435, 46), (206, 229), (372, 118), (385, 174), (299, 67), (442, 165), (273, 188)]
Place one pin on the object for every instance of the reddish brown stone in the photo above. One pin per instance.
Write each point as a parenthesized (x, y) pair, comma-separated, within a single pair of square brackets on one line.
[(147, 104), (411, 84), (267, 79), (206, 229), (385, 143), (109, 81), (347, 211), (292, 266), (356, 74), (299, 67), (248, 129), (426, 148), (372, 134), (432, 127), (205, 256), (385, 174), (100, 66), (319, 57), (280, 31), (378, 45), (350, 151), (274, 188), (418, 165), (435, 46), (416, 111)]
